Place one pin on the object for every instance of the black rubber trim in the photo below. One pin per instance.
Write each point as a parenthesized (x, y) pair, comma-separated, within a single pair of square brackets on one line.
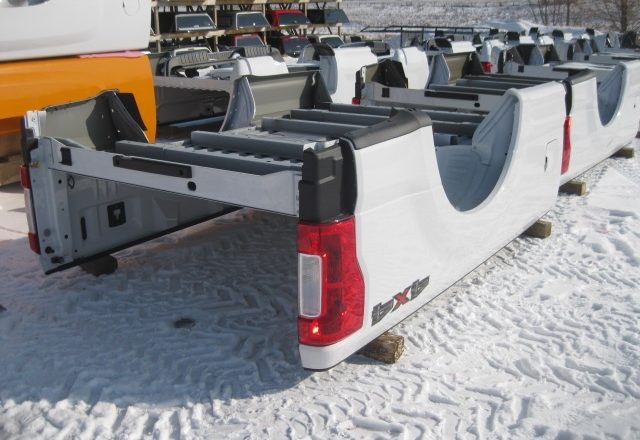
[(65, 152), (83, 228), (324, 50), (568, 70), (257, 51), (400, 123), (128, 100), (568, 83), (568, 97), (580, 76), (451, 95), (152, 166), (442, 42), (80, 261), (327, 190), (127, 127), (28, 141), (513, 36)]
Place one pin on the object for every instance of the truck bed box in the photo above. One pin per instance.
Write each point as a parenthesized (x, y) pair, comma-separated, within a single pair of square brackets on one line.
[(390, 212), (600, 103)]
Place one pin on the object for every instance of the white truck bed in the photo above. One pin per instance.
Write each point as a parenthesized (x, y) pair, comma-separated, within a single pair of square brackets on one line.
[(389, 212)]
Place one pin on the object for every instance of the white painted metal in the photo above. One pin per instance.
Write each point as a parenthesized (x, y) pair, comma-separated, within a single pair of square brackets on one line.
[(458, 47), (604, 118), (561, 72), (339, 71), (374, 94), (526, 39), (490, 52), (544, 40), (407, 229), (73, 27), (258, 66), (415, 65)]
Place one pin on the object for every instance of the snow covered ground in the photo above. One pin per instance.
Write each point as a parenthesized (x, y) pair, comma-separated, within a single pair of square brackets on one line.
[(540, 341), (515, 15), (445, 13)]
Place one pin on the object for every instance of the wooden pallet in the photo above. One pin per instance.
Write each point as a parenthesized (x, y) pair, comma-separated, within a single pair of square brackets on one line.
[(626, 152), (575, 187), (9, 144), (385, 348), (540, 229), (10, 169)]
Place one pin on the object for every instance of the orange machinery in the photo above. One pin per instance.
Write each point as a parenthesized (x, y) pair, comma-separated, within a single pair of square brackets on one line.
[(34, 84)]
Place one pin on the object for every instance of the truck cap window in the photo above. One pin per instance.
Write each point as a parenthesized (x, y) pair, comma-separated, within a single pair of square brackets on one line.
[(251, 20), (194, 22), (290, 18)]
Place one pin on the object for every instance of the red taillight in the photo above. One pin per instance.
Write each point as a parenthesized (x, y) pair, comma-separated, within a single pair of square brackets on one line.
[(331, 286), (24, 177), (566, 145), (486, 67), (355, 101), (33, 242), (25, 181)]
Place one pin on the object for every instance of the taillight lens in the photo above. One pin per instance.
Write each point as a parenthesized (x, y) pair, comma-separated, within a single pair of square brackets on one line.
[(486, 67), (24, 177), (355, 101), (566, 145), (330, 283), (34, 243), (25, 181)]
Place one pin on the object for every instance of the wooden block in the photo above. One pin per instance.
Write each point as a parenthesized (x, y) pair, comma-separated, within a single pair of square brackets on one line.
[(626, 152), (10, 169), (576, 187), (540, 229), (385, 348), (9, 144), (101, 266)]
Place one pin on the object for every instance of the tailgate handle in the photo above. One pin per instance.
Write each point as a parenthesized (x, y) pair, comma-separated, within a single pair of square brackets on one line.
[(152, 166)]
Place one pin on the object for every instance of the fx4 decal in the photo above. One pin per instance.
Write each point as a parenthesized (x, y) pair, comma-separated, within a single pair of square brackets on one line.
[(410, 293)]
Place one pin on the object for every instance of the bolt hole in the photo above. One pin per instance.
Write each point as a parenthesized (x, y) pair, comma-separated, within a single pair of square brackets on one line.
[(191, 186), (59, 182), (66, 236)]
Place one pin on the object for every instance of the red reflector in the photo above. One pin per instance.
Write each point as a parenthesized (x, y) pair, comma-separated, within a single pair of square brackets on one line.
[(486, 67), (355, 101), (566, 145), (342, 290), (24, 177), (34, 244)]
